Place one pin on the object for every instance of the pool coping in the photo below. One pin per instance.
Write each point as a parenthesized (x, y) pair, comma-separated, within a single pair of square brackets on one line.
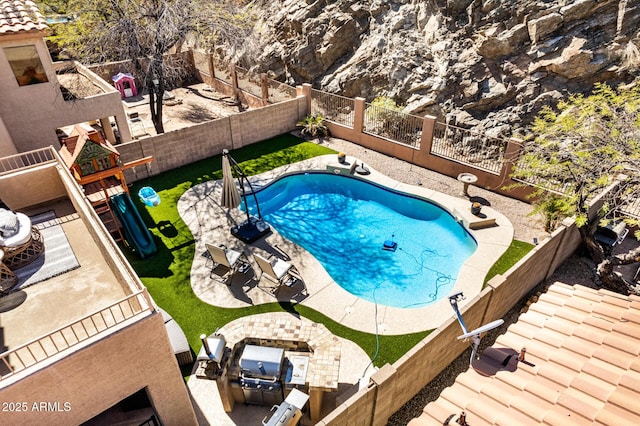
[(210, 222)]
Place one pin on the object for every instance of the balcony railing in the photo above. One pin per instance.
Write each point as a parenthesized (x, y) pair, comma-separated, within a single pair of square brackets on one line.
[(73, 334), (26, 159)]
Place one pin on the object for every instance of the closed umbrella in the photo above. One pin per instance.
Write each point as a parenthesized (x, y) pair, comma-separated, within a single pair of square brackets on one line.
[(230, 194)]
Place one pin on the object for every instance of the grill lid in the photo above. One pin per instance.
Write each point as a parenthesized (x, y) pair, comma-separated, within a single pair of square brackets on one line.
[(261, 361)]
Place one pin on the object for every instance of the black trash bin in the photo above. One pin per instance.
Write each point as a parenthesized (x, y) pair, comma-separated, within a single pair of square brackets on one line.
[(611, 235)]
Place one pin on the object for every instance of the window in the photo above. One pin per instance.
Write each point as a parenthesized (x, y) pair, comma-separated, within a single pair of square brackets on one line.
[(26, 65)]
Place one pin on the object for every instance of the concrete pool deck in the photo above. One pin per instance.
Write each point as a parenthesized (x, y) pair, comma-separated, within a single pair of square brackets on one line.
[(210, 223)]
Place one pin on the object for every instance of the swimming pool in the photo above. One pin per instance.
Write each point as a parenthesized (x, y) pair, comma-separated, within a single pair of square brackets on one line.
[(344, 223)]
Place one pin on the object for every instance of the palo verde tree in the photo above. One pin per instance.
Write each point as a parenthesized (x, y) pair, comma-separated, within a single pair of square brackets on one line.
[(588, 146), (144, 31)]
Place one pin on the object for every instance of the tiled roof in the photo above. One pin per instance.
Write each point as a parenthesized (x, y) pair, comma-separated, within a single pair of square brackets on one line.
[(18, 16), (581, 366)]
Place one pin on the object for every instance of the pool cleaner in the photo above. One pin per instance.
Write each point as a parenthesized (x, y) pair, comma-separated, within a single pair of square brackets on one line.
[(390, 245)]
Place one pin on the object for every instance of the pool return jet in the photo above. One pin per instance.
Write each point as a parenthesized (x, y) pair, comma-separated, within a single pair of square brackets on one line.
[(474, 334)]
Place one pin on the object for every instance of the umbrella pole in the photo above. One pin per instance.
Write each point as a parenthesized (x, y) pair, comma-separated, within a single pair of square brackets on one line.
[(251, 230)]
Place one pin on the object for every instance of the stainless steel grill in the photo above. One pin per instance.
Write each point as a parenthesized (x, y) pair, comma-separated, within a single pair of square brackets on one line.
[(260, 372)]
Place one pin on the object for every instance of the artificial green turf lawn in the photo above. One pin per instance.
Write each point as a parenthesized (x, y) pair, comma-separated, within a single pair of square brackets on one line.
[(166, 274), (516, 251)]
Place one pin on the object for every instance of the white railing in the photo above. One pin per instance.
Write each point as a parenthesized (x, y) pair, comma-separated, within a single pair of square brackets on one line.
[(26, 159), (70, 335)]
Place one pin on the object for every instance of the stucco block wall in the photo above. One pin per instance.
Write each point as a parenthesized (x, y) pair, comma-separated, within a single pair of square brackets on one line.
[(190, 144), (265, 123), (32, 186), (99, 376), (356, 411), (32, 113)]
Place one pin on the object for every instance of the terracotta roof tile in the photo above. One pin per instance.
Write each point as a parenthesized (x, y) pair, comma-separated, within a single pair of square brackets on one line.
[(614, 415), (615, 299), (531, 405), (579, 305), (524, 329), (592, 334), (599, 322), (560, 416), (19, 16), (560, 325), (441, 410), (557, 373), (626, 398), (605, 371), (581, 403), (539, 350), (608, 310), (582, 366), (622, 343), (514, 417), (460, 396), (579, 346), (632, 316), (630, 380), (614, 357), (587, 294), (593, 386), (545, 389), (499, 391), (546, 309), (626, 329), (570, 315), (482, 409), (550, 337)]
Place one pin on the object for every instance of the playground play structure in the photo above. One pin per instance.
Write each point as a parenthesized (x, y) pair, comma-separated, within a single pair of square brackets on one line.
[(95, 164)]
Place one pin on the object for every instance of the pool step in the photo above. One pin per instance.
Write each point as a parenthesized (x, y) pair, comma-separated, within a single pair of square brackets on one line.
[(472, 221)]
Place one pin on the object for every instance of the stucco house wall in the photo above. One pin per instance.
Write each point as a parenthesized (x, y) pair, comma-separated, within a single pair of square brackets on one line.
[(32, 113)]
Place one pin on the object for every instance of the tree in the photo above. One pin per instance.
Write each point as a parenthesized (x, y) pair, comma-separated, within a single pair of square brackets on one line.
[(588, 144), (144, 31)]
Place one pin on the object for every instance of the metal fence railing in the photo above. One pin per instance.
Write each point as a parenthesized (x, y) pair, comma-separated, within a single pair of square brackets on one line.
[(465, 146), (56, 341), (201, 61), (334, 108), (279, 91), (26, 159), (249, 82), (392, 124)]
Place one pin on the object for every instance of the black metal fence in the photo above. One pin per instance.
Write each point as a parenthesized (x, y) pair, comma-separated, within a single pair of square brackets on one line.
[(333, 107), (393, 124), (467, 147)]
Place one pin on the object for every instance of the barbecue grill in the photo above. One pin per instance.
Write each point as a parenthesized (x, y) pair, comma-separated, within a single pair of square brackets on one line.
[(260, 372)]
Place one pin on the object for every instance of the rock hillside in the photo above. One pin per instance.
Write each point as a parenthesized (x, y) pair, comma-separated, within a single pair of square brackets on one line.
[(488, 64)]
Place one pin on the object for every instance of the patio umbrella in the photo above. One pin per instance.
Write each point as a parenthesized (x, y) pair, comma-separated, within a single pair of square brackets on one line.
[(230, 194)]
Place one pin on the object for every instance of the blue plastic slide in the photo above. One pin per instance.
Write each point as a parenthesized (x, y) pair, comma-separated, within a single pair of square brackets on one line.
[(136, 232)]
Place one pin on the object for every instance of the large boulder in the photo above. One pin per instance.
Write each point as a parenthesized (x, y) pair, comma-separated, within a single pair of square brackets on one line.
[(493, 60)]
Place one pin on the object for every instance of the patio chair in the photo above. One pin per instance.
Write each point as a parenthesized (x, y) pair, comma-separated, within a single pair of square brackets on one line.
[(277, 270), (233, 261)]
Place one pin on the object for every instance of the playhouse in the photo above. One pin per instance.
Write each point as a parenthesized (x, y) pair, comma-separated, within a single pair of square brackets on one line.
[(126, 85)]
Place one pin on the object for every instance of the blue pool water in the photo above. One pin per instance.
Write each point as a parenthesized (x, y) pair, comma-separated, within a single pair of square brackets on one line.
[(344, 222)]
